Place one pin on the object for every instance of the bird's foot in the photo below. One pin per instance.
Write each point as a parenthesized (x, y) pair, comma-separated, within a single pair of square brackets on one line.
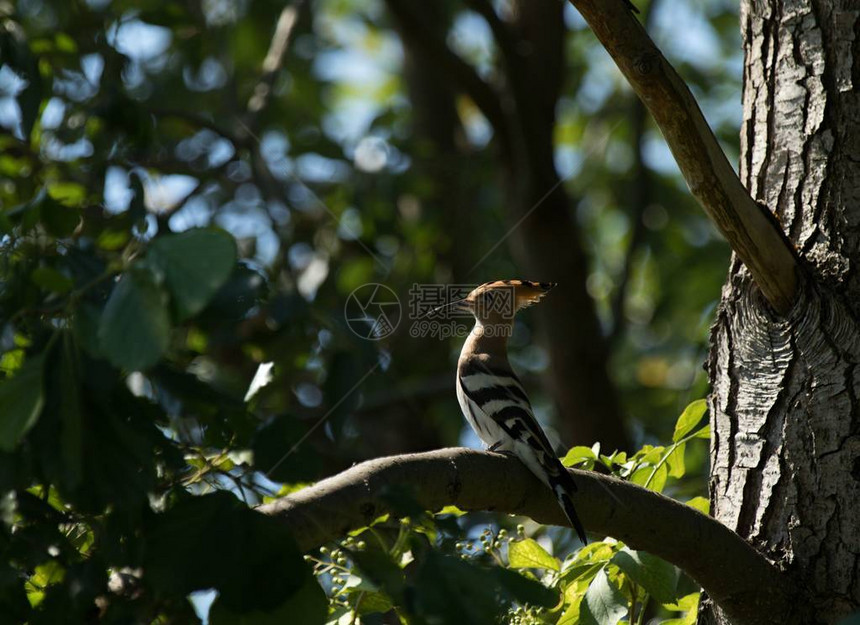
[(494, 448)]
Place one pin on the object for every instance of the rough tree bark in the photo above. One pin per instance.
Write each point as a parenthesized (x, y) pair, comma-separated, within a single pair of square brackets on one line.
[(786, 425)]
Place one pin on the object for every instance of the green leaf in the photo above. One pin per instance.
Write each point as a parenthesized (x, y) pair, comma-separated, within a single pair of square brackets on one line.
[(656, 576), (374, 603), (599, 551), (705, 432), (69, 193), (689, 419), (642, 476), (603, 603), (701, 504), (379, 568), (571, 615), (579, 454), (690, 606), (675, 461), (195, 264), (453, 510), (21, 401), (528, 554), (450, 590), (685, 603), (135, 325), (50, 279), (582, 572)]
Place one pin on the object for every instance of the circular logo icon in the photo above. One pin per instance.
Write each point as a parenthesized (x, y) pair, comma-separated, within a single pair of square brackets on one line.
[(372, 311)]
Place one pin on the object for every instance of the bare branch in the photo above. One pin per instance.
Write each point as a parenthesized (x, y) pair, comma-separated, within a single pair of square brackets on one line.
[(750, 229), (275, 57), (738, 579)]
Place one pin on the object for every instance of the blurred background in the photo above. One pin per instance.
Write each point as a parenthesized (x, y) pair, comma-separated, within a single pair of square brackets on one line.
[(399, 142)]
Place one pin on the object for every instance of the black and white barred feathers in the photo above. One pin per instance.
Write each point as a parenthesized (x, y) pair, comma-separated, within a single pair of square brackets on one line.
[(492, 397)]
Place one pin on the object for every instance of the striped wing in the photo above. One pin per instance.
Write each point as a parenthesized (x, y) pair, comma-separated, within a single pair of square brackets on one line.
[(499, 396), (499, 409)]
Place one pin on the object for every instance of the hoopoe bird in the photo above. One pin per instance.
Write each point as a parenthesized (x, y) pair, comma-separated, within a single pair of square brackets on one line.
[(491, 395)]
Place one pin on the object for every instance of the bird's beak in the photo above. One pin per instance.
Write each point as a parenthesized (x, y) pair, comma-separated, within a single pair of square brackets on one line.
[(460, 305), (463, 305)]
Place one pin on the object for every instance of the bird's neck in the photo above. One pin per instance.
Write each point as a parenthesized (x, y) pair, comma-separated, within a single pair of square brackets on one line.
[(489, 337)]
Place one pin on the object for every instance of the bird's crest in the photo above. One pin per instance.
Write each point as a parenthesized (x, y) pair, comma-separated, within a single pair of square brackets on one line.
[(525, 292)]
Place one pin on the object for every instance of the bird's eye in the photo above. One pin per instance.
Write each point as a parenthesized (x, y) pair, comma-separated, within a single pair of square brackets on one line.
[(489, 298)]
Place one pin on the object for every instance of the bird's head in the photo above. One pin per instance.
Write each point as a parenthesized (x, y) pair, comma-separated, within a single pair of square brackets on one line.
[(500, 300)]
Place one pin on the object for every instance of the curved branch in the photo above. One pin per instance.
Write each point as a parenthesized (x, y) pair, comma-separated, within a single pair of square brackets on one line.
[(737, 578), (752, 231)]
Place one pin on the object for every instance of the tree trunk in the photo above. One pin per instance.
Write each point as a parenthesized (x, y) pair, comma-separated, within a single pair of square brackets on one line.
[(785, 449)]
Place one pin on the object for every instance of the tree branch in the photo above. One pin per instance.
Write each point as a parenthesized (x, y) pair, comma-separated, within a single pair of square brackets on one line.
[(737, 578), (752, 231), (275, 58)]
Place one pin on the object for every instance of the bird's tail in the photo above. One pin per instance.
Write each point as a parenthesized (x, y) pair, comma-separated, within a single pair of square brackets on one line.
[(563, 486)]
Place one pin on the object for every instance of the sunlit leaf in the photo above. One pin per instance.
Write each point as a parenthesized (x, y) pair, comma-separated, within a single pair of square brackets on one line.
[(689, 419), (656, 576), (454, 510), (578, 455), (527, 553), (654, 479), (704, 432), (675, 461), (603, 603), (701, 504), (688, 604)]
